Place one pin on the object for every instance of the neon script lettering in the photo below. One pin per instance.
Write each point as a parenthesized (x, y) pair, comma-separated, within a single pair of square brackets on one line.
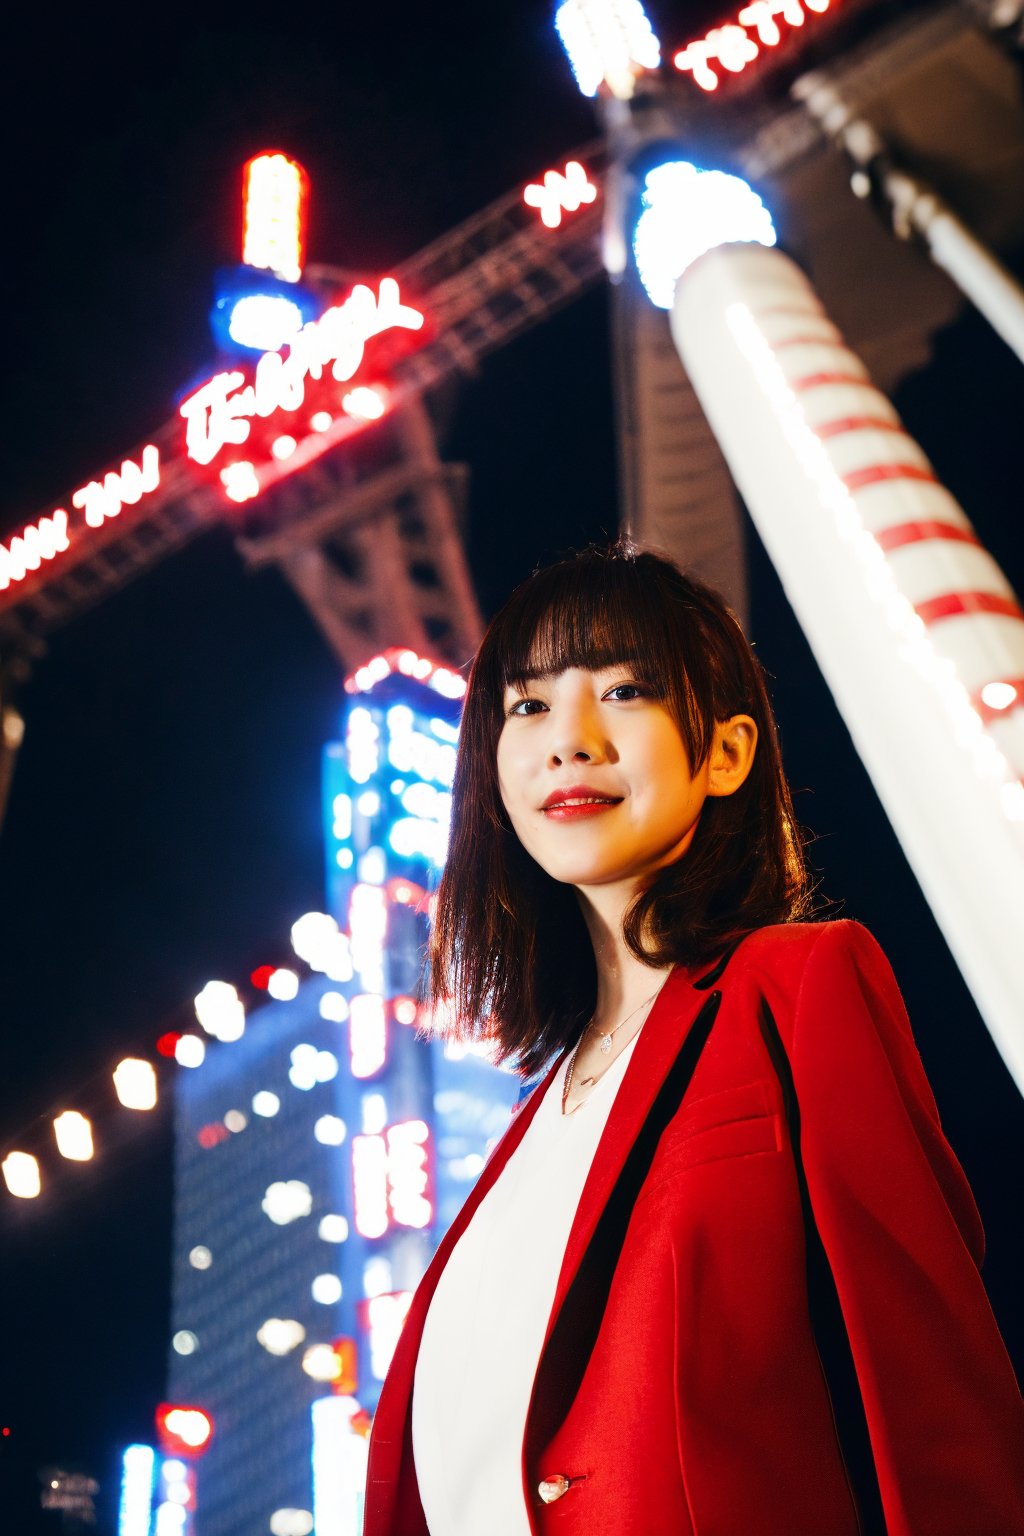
[(27, 551), (99, 500), (104, 498), (221, 411)]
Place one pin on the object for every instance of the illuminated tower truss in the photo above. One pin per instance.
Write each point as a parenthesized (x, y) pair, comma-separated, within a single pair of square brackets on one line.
[(321, 1156)]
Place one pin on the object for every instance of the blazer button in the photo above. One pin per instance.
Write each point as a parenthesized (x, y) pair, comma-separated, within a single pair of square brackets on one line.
[(552, 1488)]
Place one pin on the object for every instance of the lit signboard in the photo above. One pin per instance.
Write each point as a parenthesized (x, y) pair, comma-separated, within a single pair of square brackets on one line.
[(738, 43)]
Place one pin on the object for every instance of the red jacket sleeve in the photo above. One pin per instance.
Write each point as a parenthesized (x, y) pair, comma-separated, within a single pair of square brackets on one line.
[(905, 1242)]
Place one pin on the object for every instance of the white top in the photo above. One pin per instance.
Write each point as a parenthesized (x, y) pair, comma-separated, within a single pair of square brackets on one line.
[(488, 1316)]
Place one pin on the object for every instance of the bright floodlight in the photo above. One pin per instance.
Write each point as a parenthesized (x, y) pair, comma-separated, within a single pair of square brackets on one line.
[(688, 211), (607, 41)]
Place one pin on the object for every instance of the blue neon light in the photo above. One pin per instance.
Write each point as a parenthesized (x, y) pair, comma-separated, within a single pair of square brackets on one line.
[(138, 1467)]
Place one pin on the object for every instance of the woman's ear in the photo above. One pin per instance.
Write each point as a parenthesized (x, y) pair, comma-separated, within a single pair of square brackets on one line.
[(732, 754)]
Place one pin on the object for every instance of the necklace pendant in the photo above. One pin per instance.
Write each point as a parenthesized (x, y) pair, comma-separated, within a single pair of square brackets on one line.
[(606, 1044)]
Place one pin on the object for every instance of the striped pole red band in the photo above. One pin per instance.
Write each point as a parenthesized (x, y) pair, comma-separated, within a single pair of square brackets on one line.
[(807, 341), (843, 424), (925, 528), (950, 604), (872, 474), (815, 380)]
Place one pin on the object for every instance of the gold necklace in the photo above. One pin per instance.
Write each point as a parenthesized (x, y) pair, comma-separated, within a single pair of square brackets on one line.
[(588, 1082)]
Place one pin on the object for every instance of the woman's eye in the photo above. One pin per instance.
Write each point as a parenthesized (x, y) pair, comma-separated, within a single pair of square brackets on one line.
[(635, 690), (520, 708)]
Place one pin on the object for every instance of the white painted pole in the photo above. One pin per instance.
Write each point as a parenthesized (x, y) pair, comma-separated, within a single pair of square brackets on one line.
[(915, 627)]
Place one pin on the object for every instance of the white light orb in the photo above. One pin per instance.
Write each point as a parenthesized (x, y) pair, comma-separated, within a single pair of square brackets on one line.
[(184, 1342), (189, 1051), (333, 1007), (286, 1201), (221, 1011), (235, 1120), (330, 1130), (302, 1072), (265, 1103), (280, 1335), (326, 1066), (311, 934), (200, 1257), (291, 1522), (333, 1229), (283, 984), (377, 1277), (321, 1362), (326, 1289)]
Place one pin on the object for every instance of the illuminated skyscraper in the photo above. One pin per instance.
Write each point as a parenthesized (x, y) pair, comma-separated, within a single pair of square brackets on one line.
[(321, 1155)]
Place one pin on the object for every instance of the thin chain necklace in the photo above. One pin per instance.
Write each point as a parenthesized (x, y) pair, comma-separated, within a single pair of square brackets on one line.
[(606, 1045)]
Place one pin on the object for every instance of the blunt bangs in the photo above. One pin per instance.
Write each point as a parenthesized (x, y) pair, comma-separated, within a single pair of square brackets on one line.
[(607, 607)]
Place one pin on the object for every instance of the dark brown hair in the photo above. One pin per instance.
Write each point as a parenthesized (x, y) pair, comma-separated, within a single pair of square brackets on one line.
[(510, 956)]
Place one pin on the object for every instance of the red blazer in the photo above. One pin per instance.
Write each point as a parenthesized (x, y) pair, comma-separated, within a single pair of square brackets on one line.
[(680, 1388)]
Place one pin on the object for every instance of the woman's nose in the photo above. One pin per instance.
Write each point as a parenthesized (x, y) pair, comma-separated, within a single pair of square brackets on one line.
[(578, 740)]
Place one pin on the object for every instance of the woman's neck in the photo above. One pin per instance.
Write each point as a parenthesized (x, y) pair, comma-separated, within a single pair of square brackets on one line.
[(623, 981)]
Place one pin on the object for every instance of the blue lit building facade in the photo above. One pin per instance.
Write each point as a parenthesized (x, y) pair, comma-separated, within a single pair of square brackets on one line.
[(321, 1155)]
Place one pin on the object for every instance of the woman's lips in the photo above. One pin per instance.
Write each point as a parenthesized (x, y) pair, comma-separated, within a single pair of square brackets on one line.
[(566, 811)]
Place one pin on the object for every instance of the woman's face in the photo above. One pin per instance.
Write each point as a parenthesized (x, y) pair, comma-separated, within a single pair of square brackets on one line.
[(602, 732)]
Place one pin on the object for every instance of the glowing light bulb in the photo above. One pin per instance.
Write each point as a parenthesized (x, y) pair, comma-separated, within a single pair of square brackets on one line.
[(74, 1136), (21, 1175), (135, 1082)]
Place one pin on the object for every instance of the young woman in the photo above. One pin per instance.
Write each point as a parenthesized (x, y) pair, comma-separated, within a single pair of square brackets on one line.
[(720, 1276)]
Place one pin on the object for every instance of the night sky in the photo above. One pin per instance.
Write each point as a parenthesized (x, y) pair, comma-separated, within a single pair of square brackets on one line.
[(164, 824)]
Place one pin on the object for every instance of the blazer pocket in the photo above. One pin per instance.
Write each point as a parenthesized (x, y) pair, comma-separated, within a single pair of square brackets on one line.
[(734, 1122)]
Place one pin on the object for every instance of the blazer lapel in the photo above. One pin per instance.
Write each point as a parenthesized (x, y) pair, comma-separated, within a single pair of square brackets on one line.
[(662, 1064)]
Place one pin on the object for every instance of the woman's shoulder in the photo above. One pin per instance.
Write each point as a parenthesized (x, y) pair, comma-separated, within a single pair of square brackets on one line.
[(784, 950)]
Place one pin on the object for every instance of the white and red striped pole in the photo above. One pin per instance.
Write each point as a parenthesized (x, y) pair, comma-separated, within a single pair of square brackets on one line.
[(916, 628)]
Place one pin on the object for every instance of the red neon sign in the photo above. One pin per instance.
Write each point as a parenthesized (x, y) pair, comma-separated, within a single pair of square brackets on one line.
[(98, 501), (732, 48), (275, 191), (560, 191), (232, 409)]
